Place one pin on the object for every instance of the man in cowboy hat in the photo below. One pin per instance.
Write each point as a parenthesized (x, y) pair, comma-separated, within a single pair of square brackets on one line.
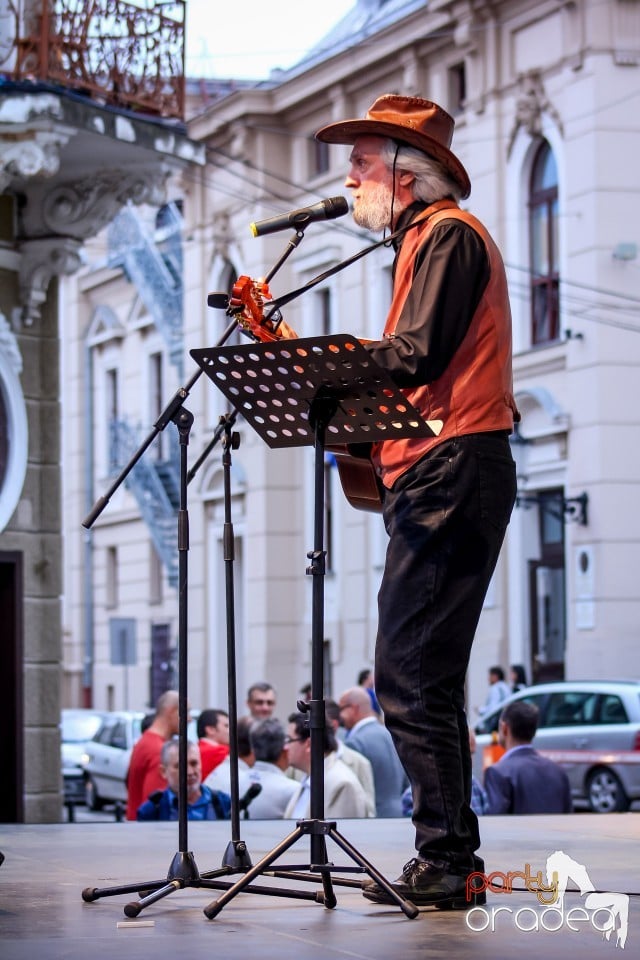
[(448, 497)]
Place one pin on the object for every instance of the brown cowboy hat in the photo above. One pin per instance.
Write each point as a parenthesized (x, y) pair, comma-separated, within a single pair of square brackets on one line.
[(420, 123)]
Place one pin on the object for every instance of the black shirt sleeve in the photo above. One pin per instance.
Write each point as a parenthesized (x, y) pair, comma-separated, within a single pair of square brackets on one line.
[(451, 274)]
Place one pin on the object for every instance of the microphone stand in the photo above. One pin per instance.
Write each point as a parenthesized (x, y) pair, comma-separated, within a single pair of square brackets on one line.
[(183, 871)]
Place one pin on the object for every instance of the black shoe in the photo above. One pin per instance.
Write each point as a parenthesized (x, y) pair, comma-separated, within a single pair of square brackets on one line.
[(429, 883)]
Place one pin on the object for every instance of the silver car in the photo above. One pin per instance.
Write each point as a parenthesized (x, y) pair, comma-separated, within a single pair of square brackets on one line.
[(590, 728)]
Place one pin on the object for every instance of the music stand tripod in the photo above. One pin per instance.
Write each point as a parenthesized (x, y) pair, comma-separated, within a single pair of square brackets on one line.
[(296, 393), (183, 871)]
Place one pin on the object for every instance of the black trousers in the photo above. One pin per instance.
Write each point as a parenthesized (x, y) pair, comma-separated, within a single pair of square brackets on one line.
[(446, 518)]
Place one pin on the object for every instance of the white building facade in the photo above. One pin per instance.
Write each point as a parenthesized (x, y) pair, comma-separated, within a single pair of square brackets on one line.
[(546, 97)]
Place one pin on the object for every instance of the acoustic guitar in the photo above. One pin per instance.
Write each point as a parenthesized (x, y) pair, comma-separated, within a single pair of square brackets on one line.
[(360, 483)]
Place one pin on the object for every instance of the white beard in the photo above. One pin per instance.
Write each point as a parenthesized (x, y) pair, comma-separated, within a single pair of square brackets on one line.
[(374, 211)]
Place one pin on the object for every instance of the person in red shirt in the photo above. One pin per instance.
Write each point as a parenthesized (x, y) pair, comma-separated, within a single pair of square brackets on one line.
[(144, 774), (213, 739)]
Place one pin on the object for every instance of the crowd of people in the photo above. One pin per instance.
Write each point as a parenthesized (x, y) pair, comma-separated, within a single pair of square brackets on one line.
[(363, 774)]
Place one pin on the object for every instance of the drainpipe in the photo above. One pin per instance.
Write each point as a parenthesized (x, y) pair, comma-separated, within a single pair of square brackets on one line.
[(87, 574)]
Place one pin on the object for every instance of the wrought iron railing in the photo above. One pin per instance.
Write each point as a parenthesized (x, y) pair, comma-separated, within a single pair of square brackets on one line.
[(123, 54)]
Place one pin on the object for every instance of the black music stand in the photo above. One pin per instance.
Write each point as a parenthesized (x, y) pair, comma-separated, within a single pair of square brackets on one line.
[(297, 393)]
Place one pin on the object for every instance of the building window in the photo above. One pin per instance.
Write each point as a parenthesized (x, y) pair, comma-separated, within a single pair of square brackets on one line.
[(112, 412), (457, 83), (122, 642), (543, 230), (319, 157), (111, 585), (323, 312), (156, 399), (156, 578)]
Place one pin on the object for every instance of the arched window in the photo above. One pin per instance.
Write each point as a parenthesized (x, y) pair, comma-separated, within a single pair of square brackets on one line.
[(543, 227)]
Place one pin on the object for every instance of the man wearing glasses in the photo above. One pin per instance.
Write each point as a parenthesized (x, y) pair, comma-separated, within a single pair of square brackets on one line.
[(343, 792)]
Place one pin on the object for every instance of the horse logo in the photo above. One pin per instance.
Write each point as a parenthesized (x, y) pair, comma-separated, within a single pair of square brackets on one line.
[(561, 868)]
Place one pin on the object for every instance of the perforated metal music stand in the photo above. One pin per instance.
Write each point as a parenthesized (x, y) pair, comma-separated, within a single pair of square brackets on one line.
[(301, 393)]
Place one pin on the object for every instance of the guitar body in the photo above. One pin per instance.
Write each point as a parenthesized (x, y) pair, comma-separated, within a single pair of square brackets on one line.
[(360, 483)]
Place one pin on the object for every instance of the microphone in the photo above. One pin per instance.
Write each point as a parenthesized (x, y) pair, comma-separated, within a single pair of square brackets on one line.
[(299, 219), (251, 794)]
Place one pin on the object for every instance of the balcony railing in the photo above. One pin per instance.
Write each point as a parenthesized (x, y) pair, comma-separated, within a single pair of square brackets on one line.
[(127, 55)]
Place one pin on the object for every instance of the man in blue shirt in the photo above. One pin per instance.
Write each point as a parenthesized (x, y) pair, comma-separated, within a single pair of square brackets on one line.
[(202, 803)]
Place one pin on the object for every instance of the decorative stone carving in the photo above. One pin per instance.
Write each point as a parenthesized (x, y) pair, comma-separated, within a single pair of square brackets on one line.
[(40, 260), (531, 104), (240, 146), (222, 237), (58, 217), (38, 156), (83, 208)]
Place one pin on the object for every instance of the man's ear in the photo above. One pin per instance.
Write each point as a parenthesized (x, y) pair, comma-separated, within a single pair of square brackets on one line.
[(405, 178)]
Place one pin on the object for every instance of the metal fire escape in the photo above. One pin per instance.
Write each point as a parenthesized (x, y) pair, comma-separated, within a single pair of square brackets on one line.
[(155, 487), (153, 264)]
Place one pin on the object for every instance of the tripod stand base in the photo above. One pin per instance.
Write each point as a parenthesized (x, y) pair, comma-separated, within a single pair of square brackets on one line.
[(236, 857), (319, 830), (183, 872)]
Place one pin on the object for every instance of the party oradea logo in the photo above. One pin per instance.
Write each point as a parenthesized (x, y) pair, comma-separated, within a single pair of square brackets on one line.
[(604, 912)]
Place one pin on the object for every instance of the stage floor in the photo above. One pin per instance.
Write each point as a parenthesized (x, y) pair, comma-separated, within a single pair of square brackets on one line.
[(46, 868)]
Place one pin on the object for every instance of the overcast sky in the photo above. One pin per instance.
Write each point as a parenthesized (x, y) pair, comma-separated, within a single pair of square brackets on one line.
[(248, 38)]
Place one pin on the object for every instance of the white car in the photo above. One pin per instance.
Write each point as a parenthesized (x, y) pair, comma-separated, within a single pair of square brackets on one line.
[(77, 726), (590, 728), (106, 758)]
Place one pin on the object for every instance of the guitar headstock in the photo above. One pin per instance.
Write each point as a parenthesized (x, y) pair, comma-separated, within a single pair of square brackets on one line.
[(251, 295)]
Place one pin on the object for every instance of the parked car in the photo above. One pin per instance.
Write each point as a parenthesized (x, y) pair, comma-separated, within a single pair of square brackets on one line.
[(592, 729), (106, 758), (77, 726)]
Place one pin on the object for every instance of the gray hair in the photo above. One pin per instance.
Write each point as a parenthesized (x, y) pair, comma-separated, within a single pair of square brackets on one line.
[(267, 739), (432, 180), (169, 746)]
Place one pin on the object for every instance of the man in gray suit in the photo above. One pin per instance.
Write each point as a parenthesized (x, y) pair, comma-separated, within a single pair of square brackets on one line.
[(368, 736), (523, 781), (267, 738), (357, 762)]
